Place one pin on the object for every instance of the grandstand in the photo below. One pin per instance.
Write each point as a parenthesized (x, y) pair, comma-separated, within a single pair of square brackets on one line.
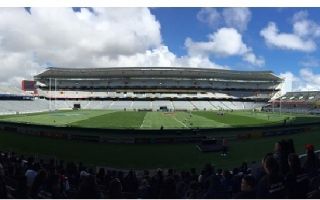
[(297, 102), (149, 88)]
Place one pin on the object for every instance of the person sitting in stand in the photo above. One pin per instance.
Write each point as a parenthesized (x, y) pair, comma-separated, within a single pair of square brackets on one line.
[(296, 180), (248, 184), (312, 163), (272, 184)]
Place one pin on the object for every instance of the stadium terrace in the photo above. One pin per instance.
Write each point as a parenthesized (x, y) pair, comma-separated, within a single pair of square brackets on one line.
[(160, 83)]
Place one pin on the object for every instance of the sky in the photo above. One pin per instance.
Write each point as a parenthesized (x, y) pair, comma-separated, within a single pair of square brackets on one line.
[(283, 40)]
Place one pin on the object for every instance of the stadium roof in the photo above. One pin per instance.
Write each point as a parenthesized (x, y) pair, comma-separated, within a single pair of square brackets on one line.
[(302, 93), (155, 72)]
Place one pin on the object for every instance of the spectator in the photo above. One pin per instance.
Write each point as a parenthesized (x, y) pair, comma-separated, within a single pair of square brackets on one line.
[(248, 185), (311, 165), (157, 183), (272, 184), (21, 191), (296, 180), (130, 185), (194, 175), (115, 189), (236, 180), (38, 184), (193, 191), (31, 173), (101, 176), (227, 183), (209, 171), (201, 177), (3, 189), (215, 189), (244, 167), (55, 187), (182, 186), (281, 155), (146, 175), (168, 190), (144, 189), (52, 181), (88, 188), (1, 170)]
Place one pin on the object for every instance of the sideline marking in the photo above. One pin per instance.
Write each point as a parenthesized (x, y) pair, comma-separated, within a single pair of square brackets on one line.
[(174, 117), (144, 118)]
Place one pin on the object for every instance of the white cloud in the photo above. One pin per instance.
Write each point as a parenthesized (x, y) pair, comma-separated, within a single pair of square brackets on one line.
[(310, 61), (303, 14), (64, 38), (253, 59), (224, 42), (60, 32), (311, 81), (288, 81), (60, 37), (301, 39), (306, 80), (210, 16), (286, 40), (305, 27), (15, 66), (160, 57), (237, 18)]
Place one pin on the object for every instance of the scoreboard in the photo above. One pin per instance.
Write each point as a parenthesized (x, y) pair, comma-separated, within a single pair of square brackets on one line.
[(27, 85)]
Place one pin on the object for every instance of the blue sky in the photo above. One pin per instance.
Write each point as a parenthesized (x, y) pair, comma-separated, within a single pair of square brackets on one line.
[(180, 23), (283, 40)]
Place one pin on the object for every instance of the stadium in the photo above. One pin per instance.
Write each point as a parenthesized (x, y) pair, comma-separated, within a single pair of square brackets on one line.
[(149, 98), (141, 118)]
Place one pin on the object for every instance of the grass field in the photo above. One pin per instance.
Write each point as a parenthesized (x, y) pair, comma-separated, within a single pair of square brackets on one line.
[(154, 120), (181, 156), (149, 156)]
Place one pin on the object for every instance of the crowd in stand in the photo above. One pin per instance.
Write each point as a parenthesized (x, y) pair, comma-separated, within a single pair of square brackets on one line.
[(281, 174)]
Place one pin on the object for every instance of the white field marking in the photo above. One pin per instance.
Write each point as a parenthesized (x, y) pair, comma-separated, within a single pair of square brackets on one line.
[(144, 118), (180, 122), (88, 117)]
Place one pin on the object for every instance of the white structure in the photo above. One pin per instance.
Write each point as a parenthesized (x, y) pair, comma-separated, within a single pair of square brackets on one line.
[(297, 102), (149, 88)]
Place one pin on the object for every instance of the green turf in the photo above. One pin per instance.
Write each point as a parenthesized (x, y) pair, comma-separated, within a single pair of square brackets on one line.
[(237, 119), (57, 118), (262, 116), (177, 120), (180, 156), (113, 120), (154, 120), (194, 121)]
